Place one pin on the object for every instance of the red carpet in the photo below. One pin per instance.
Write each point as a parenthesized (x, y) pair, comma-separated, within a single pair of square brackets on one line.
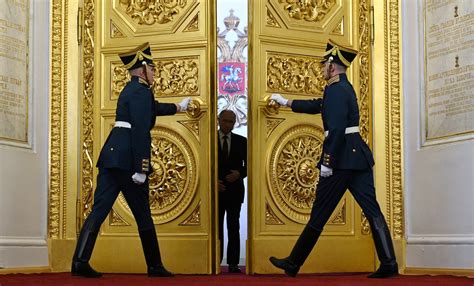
[(345, 279)]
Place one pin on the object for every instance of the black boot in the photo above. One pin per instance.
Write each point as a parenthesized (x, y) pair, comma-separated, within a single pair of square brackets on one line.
[(300, 252), (151, 250), (384, 246), (80, 262)]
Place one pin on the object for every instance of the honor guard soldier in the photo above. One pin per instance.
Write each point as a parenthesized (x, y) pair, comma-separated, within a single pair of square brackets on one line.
[(124, 164), (346, 163)]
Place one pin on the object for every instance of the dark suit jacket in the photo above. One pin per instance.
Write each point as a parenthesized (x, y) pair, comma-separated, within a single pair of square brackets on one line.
[(237, 161), (339, 110), (130, 148)]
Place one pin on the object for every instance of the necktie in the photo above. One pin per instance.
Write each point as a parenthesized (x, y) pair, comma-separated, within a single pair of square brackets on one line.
[(225, 147)]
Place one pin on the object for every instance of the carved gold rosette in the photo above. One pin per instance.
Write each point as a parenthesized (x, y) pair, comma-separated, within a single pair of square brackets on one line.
[(294, 174), (173, 182), (295, 74)]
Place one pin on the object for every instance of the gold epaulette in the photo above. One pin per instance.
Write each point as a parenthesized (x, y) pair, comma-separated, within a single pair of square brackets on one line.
[(333, 80)]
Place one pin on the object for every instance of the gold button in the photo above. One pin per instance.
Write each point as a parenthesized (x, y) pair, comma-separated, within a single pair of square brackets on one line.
[(353, 150)]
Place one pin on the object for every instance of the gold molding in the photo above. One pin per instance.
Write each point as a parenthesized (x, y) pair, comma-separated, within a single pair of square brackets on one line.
[(364, 69), (58, 123), (394, 193), (87, 167)]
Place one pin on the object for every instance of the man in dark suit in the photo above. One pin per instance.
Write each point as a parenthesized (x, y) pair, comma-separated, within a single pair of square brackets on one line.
[(346, 163), (124, 164), (232, 157)]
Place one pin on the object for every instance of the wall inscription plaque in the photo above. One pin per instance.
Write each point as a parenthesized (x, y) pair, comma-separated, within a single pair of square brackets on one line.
[(449, 68), (14, 71)]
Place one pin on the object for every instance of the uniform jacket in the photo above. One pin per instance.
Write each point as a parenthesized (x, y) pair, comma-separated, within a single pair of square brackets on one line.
[(339, 110), (237, 161), (130, 148)]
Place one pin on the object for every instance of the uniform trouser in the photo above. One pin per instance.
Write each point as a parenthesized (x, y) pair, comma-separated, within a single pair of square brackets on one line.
[(331, 189), (232, 209), (110, 182)]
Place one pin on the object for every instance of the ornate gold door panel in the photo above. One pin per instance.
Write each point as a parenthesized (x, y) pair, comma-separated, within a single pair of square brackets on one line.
[(183, 47), (288, 39)]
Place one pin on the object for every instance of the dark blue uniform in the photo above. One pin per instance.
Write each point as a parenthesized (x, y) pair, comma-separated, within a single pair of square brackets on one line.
[(350, 159), (124, 163), (347, 154), (126, 151)]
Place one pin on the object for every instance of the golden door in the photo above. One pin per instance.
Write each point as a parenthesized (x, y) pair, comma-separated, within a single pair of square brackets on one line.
[(183, 48), (287, 41)]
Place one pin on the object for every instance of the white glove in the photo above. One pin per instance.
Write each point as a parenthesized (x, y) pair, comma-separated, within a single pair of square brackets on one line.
[(325, 171), (183, 105), (139, 178), (279, 99)]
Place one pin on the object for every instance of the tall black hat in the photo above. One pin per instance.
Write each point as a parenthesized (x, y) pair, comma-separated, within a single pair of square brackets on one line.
[(137, 57), (338, 54)]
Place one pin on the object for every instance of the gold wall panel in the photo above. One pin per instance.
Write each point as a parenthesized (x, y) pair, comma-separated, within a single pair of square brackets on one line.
[(287, 45), (150, 12), (294, 74)]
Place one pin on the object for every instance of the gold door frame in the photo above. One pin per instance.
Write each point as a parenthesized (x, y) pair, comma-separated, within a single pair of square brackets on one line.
[(190, 135), (64, 114), (386, 149)]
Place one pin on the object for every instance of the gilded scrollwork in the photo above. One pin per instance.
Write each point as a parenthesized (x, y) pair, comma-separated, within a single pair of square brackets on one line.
[(115, 31), (87, 166), (116, 220), (177, 76), (393, 111), (339, 29), (120, 77), (365, 226), (193, 126), (193, 25), (339, 216), (149, 12), (56, 125), (308, 10), (294, 174), (272, 123), (364, 71), (173, 182), (270, 216), (295, 74), (271, 20), (194, 218)]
